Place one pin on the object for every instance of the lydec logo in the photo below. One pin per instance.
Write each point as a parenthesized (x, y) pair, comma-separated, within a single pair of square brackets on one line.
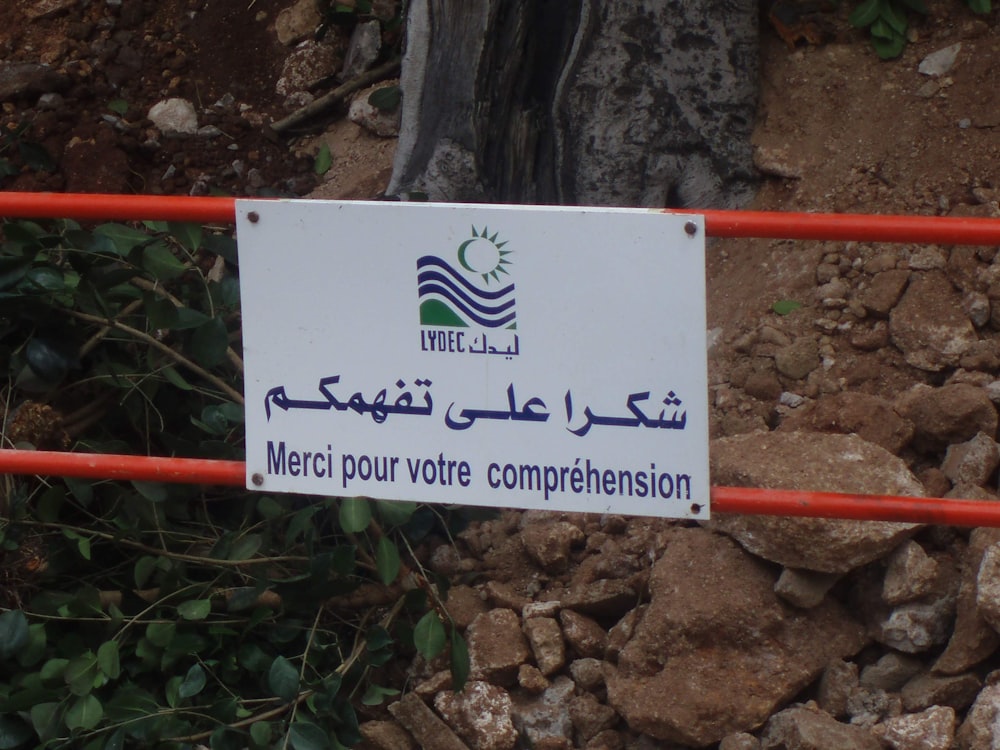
[(460, 306)]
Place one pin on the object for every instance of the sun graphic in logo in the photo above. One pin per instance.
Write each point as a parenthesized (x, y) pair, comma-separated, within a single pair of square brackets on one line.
[(482, 254)]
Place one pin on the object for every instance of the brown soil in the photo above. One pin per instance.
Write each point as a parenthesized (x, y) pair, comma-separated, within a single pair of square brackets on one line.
[(139, 53), (841, 131)]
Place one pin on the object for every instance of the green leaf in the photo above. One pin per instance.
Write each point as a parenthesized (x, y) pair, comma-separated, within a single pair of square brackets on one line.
[(188, 233), (395, 512), (429, 635), (269, 508), (890, 47), (155, 492), (323, 160), (283, 679), (85, 713), (13, 633), (188, 319), (386, 99), (144, 568), (122, 239), (196, 609), (45, 719), (303, 736), (980, 6), (108, 659), (459, 661), (159, 261), (355, 514), (194, 682), (894, 18), (13, 732), (785, 306), (917, 5), (387, 560), (53, 669), (118, 106), (210, 342), (375, 695), (225, 738), (261, 734), (160, 634), (865, 13), (116, 741), (82, 673), (175, 379), (246, 547)]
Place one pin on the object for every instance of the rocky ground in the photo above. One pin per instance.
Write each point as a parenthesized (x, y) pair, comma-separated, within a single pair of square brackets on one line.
[(613, 632)]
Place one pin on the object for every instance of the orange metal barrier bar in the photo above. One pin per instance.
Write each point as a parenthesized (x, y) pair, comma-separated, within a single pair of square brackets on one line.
[(761, 224), (743, 500), (97, 207), (108, 466)]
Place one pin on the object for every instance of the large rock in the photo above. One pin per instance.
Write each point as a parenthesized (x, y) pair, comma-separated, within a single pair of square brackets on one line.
[(480, 715), (933, 729), (972, 638), (497, 647), (720, 643), (928, 324), (950, 414), (981, 728), (802, 728), (812, 461), (868, 416)]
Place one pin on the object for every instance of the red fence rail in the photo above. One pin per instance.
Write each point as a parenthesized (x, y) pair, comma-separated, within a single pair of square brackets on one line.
[(748, 224)]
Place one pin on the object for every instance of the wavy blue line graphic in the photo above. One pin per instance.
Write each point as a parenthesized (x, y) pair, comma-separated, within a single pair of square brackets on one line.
[(438, 281), (430, 260)]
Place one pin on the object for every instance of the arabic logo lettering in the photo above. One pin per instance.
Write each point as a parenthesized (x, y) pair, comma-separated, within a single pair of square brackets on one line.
[(460, 297)]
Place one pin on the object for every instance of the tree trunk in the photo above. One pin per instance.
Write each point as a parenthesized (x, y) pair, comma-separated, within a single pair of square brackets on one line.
[(589, 102)]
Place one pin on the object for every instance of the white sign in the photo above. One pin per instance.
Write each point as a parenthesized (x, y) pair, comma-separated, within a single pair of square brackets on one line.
[(506, 356)]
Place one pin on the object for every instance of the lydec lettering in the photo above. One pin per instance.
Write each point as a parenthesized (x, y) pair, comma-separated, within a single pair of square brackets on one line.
[(442, 341)]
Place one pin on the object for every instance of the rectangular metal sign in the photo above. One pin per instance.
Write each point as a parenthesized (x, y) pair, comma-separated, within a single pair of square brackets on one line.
[(506, 356)]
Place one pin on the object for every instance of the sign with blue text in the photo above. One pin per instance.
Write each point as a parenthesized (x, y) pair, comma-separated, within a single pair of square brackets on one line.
[(509, 356)]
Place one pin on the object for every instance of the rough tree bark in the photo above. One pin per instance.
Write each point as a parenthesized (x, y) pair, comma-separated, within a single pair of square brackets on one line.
[(588, 102)]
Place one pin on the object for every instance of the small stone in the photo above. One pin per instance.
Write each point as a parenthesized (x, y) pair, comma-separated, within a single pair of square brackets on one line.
[(804, 588), (977, 307), (868, 706), (884, 291), (424, 724), (549, 543), (797, 360), (911, 574), (497, 647), (965, 123), (839, 680), (587, 673), (791, 400), (530, 678), (941, 62), (981, 728), (385, 735), (480, 715), (972, 462), (174, 116), (916, 627), (547, 644), (933, 729), (298, 22), (929, 689), (604, 597), (609, 739), (890, 672), (988, 586), (803, 728), (590, 716), (739, 741), (381, 122), (585, 637), (363, 50), (545, 717), (309, 65)]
